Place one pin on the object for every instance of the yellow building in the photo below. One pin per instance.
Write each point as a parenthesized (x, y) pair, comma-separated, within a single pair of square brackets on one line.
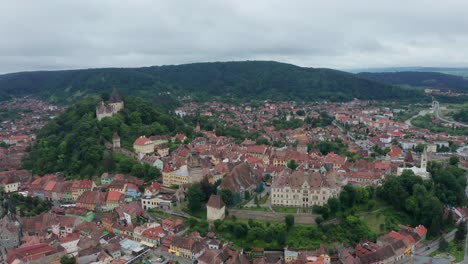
[(177, 177)]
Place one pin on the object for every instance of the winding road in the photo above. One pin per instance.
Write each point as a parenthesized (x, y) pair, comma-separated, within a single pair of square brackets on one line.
[(438, 115), (435, 109)]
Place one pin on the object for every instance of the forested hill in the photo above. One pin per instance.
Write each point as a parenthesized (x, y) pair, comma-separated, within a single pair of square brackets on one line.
[(225, 80), (73, 143), (420, 79)]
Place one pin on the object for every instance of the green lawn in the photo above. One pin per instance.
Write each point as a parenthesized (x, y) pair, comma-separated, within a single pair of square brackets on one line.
[(255, 208), (160, 214), (384, 220), (452, 250), (288, 210), (201, 214)]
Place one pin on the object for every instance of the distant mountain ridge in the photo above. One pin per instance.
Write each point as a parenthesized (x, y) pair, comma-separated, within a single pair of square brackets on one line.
[(205, 81), (420, 79)]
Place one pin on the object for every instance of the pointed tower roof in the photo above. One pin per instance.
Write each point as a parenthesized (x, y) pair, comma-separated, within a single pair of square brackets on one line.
[(409, 157), (115, 136), (114, 98)]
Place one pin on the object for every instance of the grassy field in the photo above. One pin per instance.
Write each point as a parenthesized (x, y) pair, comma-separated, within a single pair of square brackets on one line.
[(201, 214), (287, 210), (255, 208), (453, 251), (405, 115), (160, 214), (300, 237)]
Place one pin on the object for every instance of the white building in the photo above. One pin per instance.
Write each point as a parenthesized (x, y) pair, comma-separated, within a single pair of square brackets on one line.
[(215, 208), (421, 171), (158, 201)]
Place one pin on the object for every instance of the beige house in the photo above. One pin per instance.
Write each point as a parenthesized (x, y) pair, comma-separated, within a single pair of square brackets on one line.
[(215, 208), (11, 186), (143, 145), (303, 189)]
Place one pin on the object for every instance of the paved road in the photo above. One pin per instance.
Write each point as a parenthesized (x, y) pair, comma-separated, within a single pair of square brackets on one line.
[(434, 245), (438, 115), (421, 113)]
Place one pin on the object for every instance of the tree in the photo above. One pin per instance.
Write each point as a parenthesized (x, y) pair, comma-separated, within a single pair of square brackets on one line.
[(281, 238), (443, 244), (227, 196), (460, 235), (289, 221), (454, 160), (319, 220), (207, 188), (217, 223), (334, 205), (247, 195), (419, 148), (195, 197), (259, 188), (292, 164), (67, 260), (300, 112)]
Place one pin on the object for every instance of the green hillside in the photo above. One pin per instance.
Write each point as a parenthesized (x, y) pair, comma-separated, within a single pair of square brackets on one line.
[(221, 80), (438, 80), (74, 142)]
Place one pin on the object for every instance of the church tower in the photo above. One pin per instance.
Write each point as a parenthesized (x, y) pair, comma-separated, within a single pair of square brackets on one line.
[(424, 160), (115, 141)]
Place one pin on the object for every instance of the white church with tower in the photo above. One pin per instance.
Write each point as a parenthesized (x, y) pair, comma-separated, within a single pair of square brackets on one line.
[(418, 171)]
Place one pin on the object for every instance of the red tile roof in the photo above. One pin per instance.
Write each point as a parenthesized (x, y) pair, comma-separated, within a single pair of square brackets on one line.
[(141, 141), (215, 202)]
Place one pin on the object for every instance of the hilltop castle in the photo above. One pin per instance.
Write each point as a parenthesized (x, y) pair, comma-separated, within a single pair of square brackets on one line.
[(110, 108)]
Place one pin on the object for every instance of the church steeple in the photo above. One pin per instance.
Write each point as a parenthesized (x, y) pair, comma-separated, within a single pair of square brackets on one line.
[(424, 160), (114, 98)]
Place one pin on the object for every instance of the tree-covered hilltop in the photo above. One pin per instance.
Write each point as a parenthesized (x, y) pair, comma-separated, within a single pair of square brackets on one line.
[(73, 143), (437, 80), (221, 80)]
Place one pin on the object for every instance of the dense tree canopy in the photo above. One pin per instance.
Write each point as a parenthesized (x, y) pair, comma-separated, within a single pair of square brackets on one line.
[(195, 197), (424, 200), (223, 80), (73, 143)]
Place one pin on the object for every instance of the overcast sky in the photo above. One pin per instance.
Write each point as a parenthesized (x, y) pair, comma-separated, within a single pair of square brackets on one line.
[(343, 34)]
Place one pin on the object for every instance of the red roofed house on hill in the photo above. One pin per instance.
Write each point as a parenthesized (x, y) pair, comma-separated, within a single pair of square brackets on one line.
[(143, 146)]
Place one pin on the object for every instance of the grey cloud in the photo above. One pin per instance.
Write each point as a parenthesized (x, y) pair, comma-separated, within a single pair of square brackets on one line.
[(338, 34)]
